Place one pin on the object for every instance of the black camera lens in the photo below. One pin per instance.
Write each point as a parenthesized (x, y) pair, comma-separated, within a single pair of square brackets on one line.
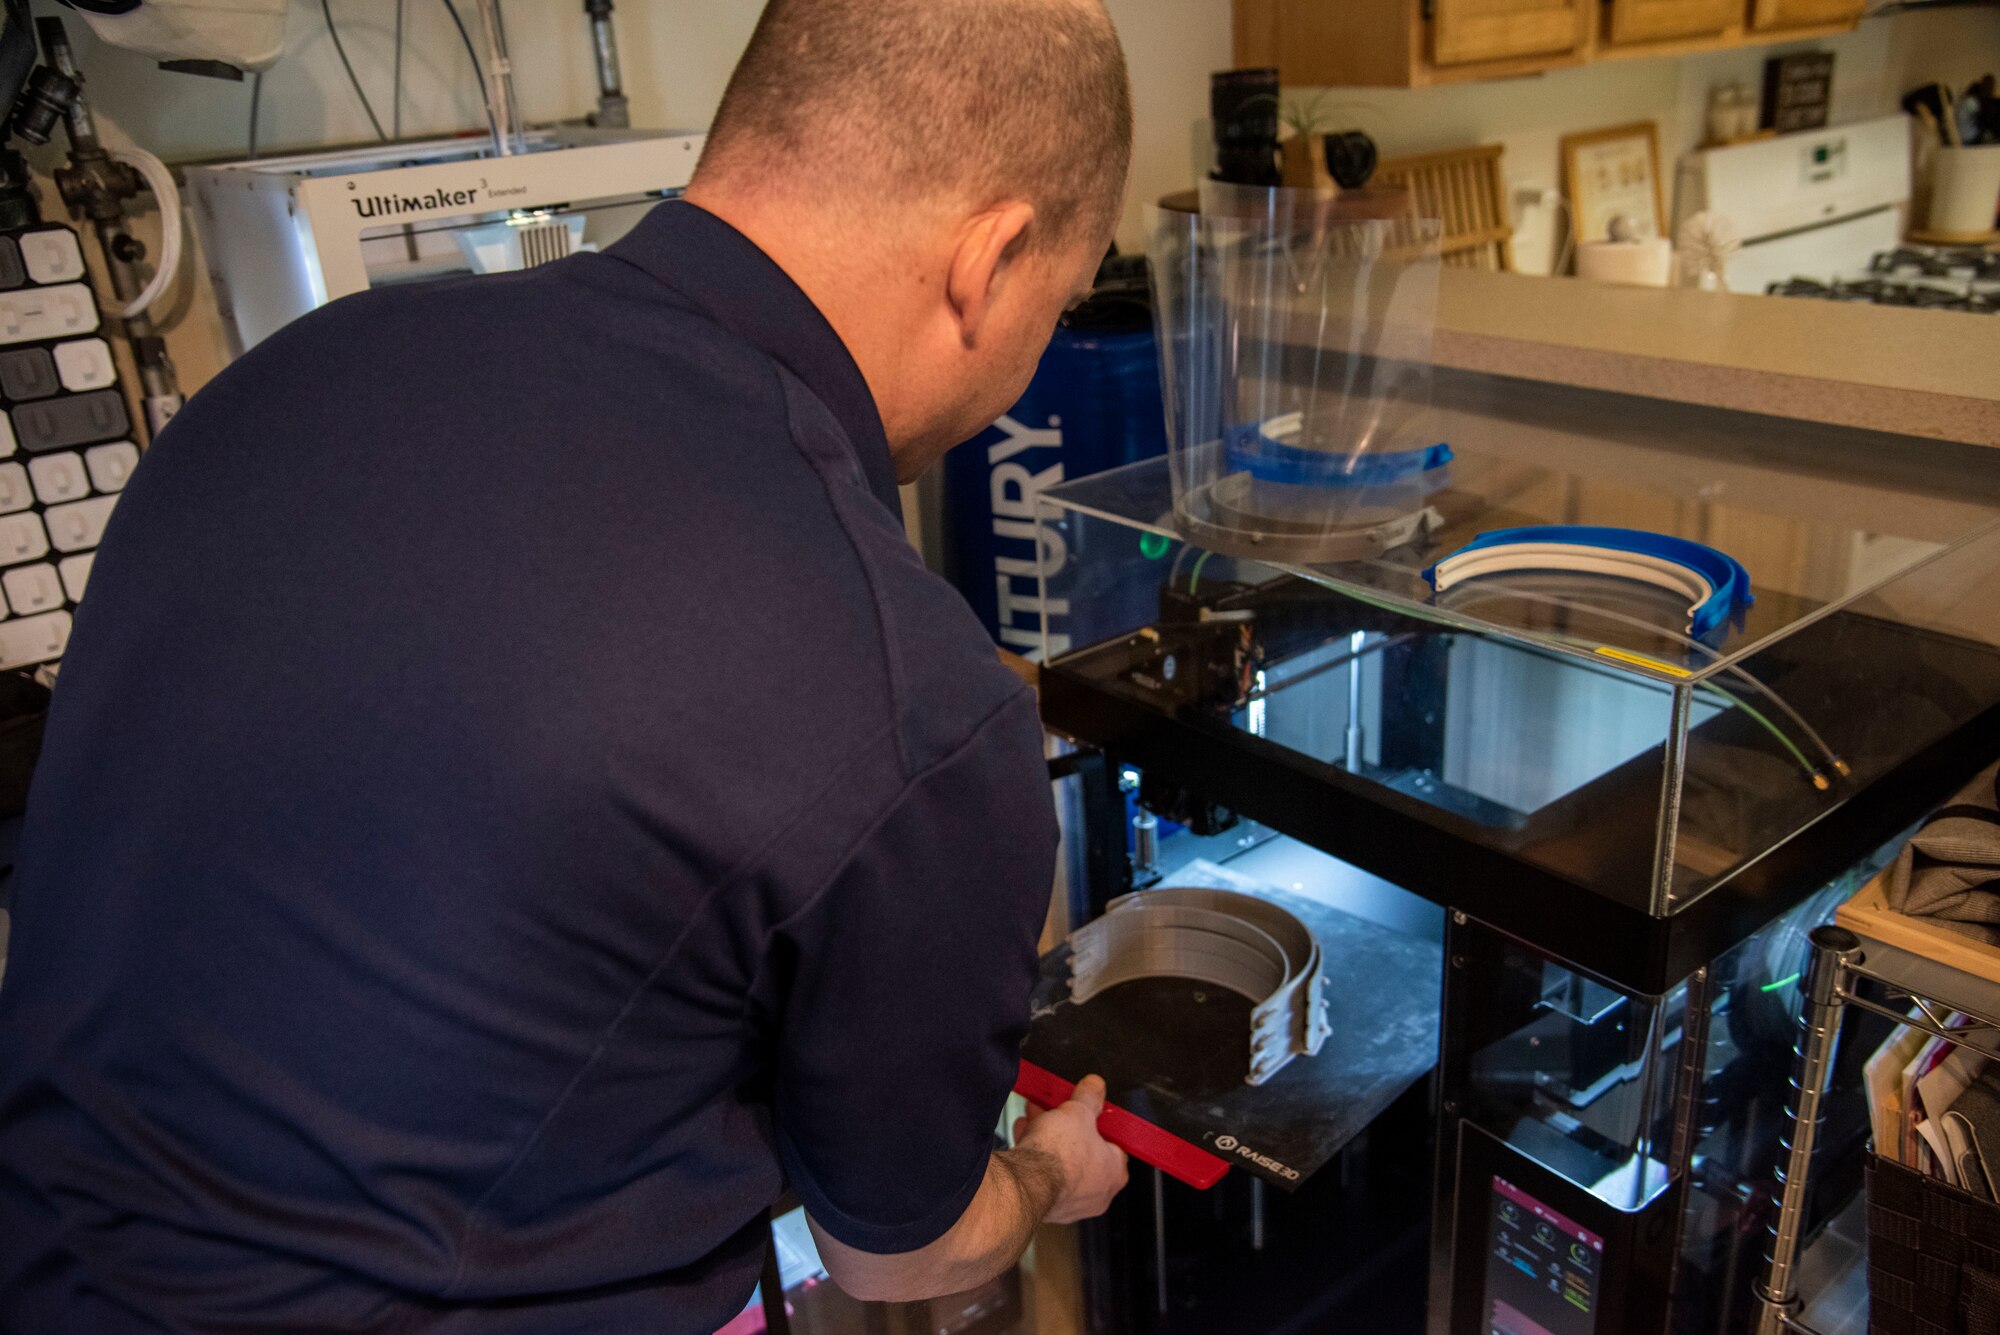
[(1244, 107)]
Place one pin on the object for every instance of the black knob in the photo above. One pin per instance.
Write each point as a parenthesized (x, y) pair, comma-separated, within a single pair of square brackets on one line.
[(48, 96)]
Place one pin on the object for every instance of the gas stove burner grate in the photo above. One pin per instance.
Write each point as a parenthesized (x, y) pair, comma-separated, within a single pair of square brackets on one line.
[(1965, 262), (1885, 292)]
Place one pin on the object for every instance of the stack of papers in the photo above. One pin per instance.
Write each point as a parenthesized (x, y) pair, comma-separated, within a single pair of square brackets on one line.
[(1935, 1107)]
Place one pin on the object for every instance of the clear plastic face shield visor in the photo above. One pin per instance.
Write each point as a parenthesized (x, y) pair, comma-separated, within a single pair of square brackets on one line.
[(1295, 331)]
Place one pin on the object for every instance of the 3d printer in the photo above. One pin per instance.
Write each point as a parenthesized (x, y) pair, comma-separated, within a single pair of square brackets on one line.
[(284, 235), (1587, 705)]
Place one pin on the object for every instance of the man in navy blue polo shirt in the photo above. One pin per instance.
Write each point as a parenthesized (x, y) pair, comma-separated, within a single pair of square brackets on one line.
[(515, 800)]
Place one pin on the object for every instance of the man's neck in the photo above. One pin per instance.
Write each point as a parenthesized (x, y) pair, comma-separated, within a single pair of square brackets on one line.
[(864, 302)]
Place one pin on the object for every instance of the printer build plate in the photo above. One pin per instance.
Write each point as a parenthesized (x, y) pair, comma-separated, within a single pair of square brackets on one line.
[(1175, 1052)]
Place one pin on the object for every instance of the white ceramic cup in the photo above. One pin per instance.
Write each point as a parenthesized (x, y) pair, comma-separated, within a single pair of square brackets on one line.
[(1965, 189)]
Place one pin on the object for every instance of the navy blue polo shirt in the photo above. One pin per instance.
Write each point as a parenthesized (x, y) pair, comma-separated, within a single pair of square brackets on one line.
[(514, 801)]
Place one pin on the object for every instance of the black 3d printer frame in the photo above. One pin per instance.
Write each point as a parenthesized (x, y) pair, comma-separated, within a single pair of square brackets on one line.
[(1439, 858)]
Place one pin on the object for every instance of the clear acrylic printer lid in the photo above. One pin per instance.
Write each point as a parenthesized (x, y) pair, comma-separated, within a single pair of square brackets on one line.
[(1819, 517)]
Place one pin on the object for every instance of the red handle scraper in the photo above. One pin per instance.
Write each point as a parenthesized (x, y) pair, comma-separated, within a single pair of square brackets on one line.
[(1135, 1135)]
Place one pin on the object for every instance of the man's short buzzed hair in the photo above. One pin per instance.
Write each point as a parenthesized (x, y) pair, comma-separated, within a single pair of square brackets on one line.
[(994, 99)]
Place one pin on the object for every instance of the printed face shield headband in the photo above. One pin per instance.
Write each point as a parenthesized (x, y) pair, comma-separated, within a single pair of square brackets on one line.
[(1715, 585)]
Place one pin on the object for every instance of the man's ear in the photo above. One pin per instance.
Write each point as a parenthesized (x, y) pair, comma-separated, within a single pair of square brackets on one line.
[(986, 246)]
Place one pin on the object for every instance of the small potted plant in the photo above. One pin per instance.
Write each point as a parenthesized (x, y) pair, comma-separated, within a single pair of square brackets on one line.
[(1317, 157)]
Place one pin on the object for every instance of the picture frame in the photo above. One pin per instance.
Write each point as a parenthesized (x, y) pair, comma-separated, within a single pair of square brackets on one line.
[(1613, 171)]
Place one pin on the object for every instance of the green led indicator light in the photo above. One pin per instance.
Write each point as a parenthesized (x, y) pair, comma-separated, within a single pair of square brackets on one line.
[(1782, 982), (1154, 545)]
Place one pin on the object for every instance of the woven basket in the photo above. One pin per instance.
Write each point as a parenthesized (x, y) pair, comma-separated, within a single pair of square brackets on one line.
[(1933, 1256)]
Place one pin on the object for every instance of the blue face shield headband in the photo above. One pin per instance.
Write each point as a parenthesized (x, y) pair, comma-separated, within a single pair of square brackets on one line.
[(1715, 585), (1259, 449)]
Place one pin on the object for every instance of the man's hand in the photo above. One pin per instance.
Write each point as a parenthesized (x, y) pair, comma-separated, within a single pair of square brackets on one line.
[(1059, 1171), (1092, 1168)]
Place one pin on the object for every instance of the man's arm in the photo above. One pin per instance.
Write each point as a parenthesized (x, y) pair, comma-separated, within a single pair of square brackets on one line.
[(912, 972), (1059, 1171)]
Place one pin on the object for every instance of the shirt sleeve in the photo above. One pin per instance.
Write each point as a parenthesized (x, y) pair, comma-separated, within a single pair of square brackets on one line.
[(911, 975)]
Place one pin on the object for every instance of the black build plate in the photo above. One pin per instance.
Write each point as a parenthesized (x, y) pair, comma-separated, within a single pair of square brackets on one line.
[(1176, 1052)]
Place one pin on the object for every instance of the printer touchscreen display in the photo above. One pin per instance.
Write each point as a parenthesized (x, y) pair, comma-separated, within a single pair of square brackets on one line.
[(1541, 1268)]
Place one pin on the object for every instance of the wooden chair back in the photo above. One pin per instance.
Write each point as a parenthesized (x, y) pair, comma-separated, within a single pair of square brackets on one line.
[(1466, 189)]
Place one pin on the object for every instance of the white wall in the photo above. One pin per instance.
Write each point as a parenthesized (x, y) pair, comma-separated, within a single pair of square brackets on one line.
[(1172, 47), (677, 55)]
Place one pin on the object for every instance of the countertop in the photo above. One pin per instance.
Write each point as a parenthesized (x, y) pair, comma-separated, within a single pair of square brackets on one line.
[(1919, 373)]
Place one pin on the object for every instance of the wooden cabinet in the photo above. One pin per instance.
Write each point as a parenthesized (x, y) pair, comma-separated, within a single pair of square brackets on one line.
[(1637, 21), (1413, 43), (1781, 15), (1474, 32), (1408, 43), (1341, 42)]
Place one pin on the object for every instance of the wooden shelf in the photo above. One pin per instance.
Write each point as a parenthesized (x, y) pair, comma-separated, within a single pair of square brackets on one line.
[(1868, 914)]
